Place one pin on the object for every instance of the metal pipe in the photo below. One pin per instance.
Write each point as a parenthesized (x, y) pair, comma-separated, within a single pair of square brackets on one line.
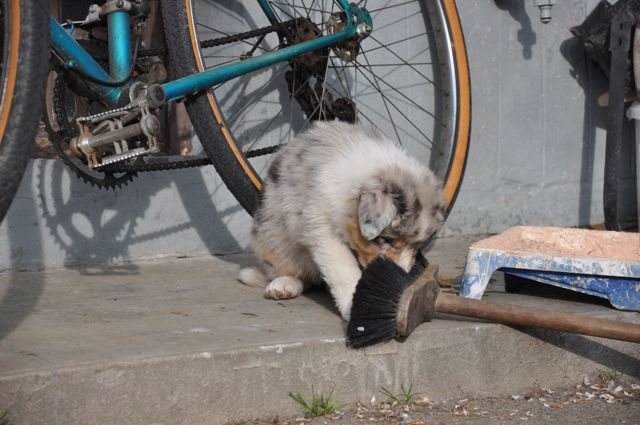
[(193, 83), (111, 136), (119, 45), (69, 49)]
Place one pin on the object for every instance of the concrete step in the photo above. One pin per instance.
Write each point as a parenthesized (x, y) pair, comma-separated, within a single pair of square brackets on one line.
[(180, 341)]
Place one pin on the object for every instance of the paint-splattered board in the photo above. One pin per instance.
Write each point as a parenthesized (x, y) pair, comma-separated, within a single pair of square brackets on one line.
[(601, 263)]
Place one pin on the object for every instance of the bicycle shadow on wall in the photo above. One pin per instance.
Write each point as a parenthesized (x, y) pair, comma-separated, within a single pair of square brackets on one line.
[(23, 291), (96, 228)]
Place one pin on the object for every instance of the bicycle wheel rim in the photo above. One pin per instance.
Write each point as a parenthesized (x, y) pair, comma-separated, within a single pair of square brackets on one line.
[(458, 64), (231, 143), (452, 70), (10, 52)]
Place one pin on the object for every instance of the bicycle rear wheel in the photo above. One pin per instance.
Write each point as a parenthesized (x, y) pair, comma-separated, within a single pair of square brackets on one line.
[(23, 28), (409, 78)]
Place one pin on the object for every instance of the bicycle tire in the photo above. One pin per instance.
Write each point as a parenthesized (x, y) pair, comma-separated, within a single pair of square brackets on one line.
[(24, 52), (209, 118)]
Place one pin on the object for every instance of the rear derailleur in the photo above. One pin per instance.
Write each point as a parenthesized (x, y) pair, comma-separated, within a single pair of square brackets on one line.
[(306, 78)]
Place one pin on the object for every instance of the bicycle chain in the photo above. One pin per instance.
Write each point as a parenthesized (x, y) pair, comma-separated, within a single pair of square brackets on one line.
[(106, 114), (250, 34), (146, 167), (130, 170)]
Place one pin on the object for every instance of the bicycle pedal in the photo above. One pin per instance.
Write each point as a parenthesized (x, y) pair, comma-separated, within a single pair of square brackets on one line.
[(112, 159)]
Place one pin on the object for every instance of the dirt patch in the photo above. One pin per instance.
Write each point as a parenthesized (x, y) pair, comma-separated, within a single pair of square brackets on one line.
[(600, 401)]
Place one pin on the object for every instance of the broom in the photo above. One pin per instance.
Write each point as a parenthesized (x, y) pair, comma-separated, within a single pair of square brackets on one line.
[(390, 303)]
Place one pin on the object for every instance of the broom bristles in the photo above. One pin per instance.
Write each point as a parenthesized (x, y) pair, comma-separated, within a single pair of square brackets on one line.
[(375, 302)]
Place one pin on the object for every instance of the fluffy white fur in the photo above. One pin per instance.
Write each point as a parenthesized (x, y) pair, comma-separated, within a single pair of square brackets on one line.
[(334, 199)]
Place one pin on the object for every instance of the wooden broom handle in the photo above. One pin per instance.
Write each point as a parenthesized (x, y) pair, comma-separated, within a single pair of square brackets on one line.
[(525, 316)]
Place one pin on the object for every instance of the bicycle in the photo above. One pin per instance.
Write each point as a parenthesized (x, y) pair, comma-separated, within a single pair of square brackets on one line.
[(399, 66)]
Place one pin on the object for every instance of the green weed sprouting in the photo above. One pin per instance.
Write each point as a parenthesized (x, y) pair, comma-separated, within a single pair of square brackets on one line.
[(405, 396), (320, 404)]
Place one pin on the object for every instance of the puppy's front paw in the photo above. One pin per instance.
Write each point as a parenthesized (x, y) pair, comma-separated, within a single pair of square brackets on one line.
[(283, 287)]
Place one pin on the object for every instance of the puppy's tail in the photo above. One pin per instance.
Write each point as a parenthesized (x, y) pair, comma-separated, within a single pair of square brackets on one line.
[(253, 277)]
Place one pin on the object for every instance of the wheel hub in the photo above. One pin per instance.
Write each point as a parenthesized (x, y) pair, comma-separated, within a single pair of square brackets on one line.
[(346, 50)]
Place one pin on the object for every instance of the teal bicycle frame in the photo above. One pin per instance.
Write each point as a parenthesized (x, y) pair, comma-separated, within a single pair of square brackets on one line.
[(358, 24)]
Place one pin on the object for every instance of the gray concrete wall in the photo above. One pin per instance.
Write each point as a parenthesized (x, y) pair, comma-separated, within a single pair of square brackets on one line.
[(536, 157), (538, 136), (57, 220)]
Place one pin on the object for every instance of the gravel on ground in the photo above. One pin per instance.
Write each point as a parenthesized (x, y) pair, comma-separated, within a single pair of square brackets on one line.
[(606, 399)]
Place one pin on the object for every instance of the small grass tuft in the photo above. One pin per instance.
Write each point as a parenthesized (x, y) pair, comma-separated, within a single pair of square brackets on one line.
[(609, 375), (390, 396), (320, 404), (405, 396), (4, 419)]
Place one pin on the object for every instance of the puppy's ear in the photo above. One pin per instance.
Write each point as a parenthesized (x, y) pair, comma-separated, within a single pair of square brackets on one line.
[(376, 210)]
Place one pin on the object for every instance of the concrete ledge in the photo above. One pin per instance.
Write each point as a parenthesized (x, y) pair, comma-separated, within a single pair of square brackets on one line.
[(444, 359), (182, 342)]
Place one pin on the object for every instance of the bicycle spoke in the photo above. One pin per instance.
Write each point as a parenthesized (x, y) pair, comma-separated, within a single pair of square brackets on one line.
[(271, 122), (282, 10), (408, 60), (307, 9), (390, 84), (276, 74), (403, 95), (235, 59), (400, 129), (308, 120), (346, 88), (382, 116), (382, 64), (369, 120), (324, 88), (386, 99), (385, 104), (264, 130), (405, 62), (388, 24), (397, 41), (371, 91), (291, 105), (392, 6)]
